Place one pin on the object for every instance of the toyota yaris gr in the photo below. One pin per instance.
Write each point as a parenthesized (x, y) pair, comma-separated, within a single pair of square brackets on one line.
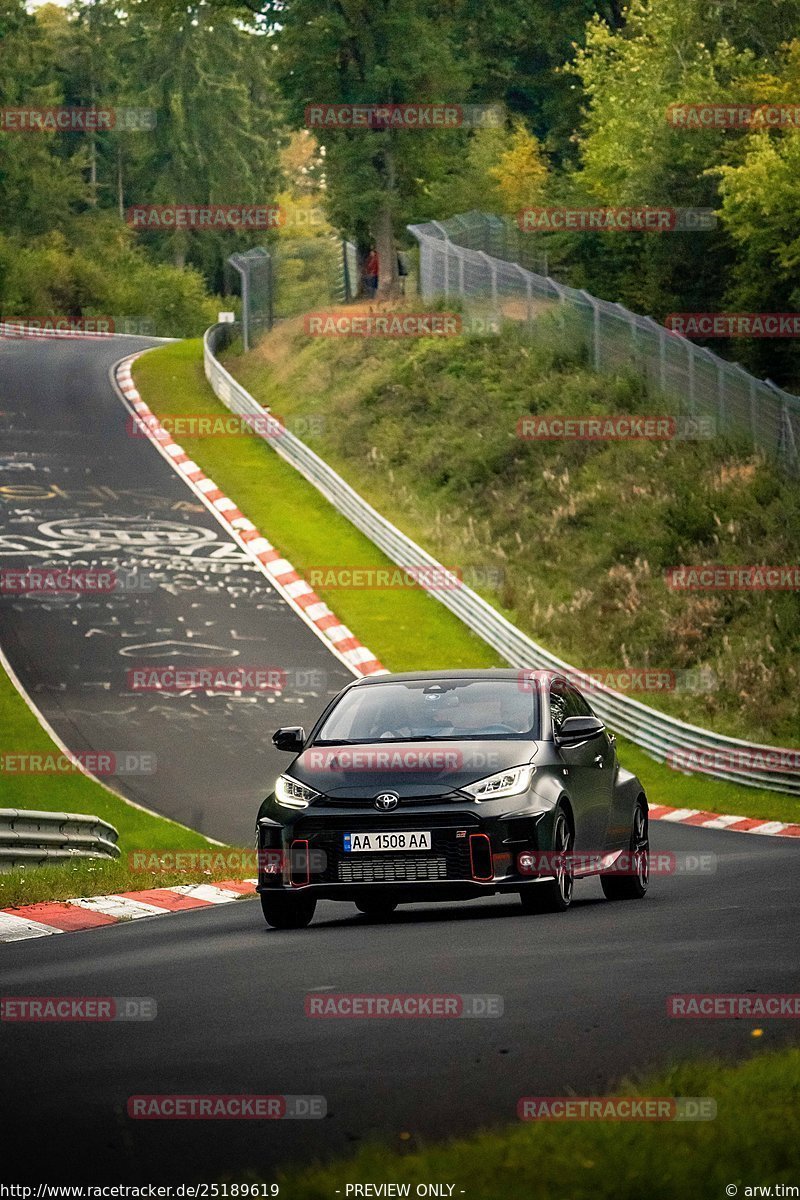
[(445, 785)]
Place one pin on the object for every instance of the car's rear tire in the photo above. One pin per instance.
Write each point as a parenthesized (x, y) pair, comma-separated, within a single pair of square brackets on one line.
[(376, 909), (553, 895), (282, 911), (633, 886)]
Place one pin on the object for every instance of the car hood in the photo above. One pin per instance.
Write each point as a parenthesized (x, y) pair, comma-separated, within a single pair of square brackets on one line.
[(408, 768)]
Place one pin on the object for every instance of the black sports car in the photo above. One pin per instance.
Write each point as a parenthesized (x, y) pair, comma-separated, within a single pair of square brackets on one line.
[(445, 785)]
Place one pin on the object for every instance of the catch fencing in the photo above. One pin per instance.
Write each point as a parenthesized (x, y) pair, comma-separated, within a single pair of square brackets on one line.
[(471, 257)]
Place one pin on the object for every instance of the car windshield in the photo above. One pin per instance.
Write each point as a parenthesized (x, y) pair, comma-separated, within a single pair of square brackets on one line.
[(432, 710)]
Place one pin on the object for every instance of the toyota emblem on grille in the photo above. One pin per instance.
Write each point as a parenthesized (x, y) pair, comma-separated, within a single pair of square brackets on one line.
[(387, 801)]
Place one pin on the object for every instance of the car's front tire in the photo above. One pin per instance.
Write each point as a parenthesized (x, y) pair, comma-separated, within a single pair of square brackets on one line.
[(553, 895), (282, 911), (633, 886)]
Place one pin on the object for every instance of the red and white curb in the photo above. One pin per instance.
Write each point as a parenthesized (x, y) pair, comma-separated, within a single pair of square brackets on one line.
[(68, 916), (280, 572), (709, 820)]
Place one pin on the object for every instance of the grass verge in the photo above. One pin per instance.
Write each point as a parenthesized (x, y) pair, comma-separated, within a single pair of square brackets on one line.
[(101, 877), (753, 1141), (75, 792), (407, 629)]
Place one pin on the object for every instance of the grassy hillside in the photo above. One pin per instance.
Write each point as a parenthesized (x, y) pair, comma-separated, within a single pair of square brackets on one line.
[(580, 533)]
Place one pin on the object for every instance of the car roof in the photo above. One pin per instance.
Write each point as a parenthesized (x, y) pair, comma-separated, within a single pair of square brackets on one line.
[(488, 673)]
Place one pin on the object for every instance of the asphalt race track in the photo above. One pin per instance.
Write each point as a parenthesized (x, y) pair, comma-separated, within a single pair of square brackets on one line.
[(76, 488), (584, 1004), (584, 994)]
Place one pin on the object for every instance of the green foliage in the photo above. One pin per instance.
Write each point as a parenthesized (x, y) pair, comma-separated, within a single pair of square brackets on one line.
[(110, 277), (38, 187), (216, 140), (401, 52), (628, 154)]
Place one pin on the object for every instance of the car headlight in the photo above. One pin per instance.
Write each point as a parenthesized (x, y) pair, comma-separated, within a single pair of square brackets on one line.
[(292, 794), (512, 782)]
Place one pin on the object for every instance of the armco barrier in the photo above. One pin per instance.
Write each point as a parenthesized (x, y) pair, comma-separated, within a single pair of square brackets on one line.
[(28, 837), (656, 732)]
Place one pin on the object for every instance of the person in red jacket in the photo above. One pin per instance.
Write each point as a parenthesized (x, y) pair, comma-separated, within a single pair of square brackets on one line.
[(370, 273)]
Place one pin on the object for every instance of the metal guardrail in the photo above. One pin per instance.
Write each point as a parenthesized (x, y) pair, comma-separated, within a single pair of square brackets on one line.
[(689, 747), (29, 837)]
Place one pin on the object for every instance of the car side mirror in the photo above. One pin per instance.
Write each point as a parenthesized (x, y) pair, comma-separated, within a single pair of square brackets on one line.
[(291, 738), (578, 729)]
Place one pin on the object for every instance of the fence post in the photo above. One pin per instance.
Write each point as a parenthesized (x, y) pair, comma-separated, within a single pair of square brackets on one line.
[(721, 408), (270, 293), (788, 436), (787, 445), (237, 265), (345, 271), (425, 261), (690, 372), (526, 275), (446, 237), (634, 336), (595, 328), (492, 264)]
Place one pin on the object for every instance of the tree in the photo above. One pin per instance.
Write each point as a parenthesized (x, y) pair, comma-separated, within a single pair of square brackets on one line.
[(333, 52), (517, 49), (521, 171), (217, 135), (38, 186), (760, 210)]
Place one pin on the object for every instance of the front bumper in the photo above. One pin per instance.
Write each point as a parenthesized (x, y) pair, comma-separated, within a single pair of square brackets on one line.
[(470, 855)]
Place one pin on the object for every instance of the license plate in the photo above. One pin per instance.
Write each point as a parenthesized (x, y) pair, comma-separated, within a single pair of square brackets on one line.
[(395, 840)]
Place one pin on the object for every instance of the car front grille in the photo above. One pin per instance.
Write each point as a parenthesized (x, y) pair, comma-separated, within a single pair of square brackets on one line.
[(369, 801), (448, 853), (392, 870)]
